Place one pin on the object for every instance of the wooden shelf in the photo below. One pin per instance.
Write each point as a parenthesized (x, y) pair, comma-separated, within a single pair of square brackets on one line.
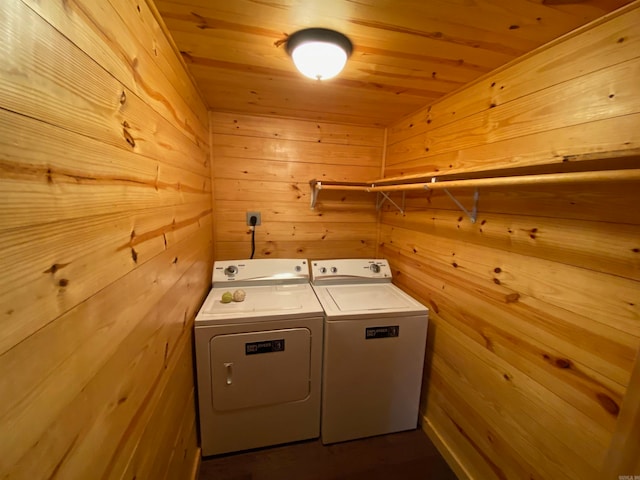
[(453, 181)]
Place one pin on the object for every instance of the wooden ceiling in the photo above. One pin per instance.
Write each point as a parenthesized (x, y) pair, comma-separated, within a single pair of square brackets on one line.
[(406, 53)]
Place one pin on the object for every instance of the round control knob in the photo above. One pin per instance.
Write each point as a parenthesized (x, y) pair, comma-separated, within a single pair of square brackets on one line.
[(298, 268), (231, 270), (375, 268), (323, 270), (334, 270)]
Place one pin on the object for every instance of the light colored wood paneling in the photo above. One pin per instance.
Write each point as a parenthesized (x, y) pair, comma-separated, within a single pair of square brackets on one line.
[(524, 335), (597, 202), (603, 247), (462, 454), (105, 407), (606, 93), (298, 173), (534, 335), (405, 55), (237, 231), (537, 149), (605, 44), (48, 272), (296, 194), (278, 239), (176, 397), (107, 238), (79, 95), (622, 458), (262, 167), (118, 47), (528, 434), (186, 453), (52, 175), (42, 397), (354, 210), (476, 436), (265, 148), (171, 350), (284, 129), (297, 249), (604, 346), (327, 102)]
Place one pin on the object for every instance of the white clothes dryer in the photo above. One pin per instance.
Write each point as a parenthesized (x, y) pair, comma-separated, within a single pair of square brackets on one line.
[(259, 361), (374, 344)]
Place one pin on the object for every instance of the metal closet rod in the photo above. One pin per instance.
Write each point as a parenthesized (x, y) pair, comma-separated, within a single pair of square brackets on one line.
[(435, 184)]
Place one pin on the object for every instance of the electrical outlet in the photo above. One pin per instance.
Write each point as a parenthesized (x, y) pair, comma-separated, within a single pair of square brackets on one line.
[(253, 214)]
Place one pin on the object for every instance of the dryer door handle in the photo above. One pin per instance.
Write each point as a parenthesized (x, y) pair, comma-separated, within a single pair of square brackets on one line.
[(229, 372)]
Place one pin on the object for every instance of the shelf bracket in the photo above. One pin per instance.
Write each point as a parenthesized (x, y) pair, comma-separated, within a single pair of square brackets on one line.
[(473, 214), (384, 197)]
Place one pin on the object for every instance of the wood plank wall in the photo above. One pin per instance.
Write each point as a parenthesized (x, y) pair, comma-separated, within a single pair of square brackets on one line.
[(264, 164), (535, 309), (106, 240)]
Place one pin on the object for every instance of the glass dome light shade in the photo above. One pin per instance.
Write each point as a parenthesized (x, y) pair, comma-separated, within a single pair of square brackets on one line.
[(319, 60), (319, 53)]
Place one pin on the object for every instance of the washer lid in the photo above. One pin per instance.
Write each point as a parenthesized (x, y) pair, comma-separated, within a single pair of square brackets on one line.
[(354, 300), (261, 303)]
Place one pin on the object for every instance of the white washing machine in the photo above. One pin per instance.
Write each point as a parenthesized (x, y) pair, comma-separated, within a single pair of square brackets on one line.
[(259, 361), (374, 344)]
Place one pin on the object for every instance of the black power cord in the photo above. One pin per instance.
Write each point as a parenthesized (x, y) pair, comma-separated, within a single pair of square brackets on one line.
[(252, 221)]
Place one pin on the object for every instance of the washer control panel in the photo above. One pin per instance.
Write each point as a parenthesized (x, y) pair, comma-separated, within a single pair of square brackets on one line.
[(350, 270), (274, 270)]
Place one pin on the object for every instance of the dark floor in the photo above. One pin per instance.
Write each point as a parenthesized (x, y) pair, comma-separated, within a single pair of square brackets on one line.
[(406, 455)]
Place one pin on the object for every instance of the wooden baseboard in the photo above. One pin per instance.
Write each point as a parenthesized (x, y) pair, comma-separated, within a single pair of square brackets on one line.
[(443, 448), (195, 471)]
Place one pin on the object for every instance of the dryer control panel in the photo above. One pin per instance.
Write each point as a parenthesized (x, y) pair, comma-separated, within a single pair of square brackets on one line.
[(351, 270), (260, 271)]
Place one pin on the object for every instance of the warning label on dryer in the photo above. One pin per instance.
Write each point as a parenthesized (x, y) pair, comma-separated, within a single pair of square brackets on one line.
[(266, 346), (382, 332)]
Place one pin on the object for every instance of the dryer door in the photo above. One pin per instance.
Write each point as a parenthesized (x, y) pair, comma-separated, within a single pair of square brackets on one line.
[(260, 368)]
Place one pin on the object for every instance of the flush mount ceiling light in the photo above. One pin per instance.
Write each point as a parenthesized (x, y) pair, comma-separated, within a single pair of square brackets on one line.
[(319, 53)]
